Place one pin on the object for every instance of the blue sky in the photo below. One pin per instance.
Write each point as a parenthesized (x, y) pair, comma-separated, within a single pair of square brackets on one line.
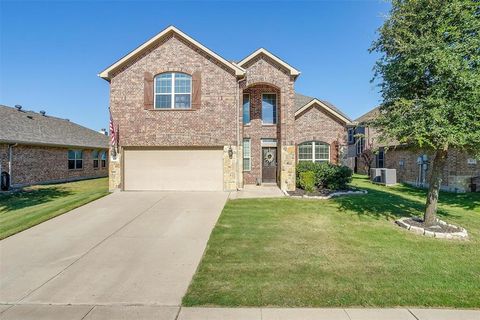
[(51, 52)]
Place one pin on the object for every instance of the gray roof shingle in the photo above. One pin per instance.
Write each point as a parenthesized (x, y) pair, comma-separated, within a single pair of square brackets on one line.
[(370, 115), (301, 100), (28, 127)]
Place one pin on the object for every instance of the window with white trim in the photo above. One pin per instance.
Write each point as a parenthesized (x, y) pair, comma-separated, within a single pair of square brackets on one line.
[(269, 108), (246, 108), (351, 135), (95, 158), (360, 145), (380, 158), (104, 159), (173, 91), (75, 159), (314, 151), (247, 157)]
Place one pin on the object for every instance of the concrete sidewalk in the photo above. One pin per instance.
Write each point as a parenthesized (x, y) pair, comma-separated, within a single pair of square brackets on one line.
[(113, 312)]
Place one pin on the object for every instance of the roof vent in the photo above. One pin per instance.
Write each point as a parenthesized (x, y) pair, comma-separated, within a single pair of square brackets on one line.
[(42, 112), (19, 107)]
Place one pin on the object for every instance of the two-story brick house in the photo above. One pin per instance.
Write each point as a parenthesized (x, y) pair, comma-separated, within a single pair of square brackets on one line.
[(188, 119)]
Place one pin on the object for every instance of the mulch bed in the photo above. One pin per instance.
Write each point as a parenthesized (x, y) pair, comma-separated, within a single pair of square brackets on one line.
[(317, 193), (437, 227)]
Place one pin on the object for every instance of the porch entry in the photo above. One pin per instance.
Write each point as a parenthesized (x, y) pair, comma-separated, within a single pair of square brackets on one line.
[(269, 164)]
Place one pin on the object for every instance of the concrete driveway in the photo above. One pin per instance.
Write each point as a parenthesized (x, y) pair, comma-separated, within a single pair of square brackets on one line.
[(128, 248)]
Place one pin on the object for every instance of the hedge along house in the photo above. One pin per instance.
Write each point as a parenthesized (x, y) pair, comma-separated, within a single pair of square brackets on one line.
[(37, 148), (188, 119)]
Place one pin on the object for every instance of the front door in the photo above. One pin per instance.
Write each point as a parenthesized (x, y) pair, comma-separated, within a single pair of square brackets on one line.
[(269, 164)]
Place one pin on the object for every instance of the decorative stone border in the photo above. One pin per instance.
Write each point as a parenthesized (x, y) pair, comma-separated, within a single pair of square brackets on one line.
[(460, 235), (334, 194)]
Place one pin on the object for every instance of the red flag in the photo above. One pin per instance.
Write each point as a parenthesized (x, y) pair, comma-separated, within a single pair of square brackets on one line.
[(113, 134)]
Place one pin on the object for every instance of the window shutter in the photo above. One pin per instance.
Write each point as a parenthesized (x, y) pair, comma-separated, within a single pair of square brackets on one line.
[(334, 157), (148, 91), (196, 90)]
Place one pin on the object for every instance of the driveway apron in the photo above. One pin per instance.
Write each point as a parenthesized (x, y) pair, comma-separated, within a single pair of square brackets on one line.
[(126, 248)]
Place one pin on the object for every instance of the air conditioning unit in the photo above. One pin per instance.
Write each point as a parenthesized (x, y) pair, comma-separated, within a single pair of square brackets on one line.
[(383, 176)]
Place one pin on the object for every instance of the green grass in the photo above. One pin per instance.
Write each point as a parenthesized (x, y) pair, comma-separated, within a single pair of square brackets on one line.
[(341, 252), (33, 205)]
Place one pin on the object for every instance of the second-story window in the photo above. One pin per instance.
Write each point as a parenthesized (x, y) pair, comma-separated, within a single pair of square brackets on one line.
[(351, 135), (173, 91), (246, 108), (269, 108)]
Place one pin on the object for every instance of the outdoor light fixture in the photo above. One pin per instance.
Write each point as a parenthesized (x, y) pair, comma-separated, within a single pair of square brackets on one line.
[(230, 152)]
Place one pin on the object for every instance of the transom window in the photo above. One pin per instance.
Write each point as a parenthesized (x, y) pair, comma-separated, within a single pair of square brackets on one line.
[(173, 91), (269, 108), (75, 159), (246, 108), (314, 151), (247, 158)]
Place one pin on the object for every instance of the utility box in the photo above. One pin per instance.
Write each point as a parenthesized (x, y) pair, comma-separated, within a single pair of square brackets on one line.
[(383, 176)]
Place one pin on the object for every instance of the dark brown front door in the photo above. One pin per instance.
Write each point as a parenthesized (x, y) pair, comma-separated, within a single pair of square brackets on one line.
[(269, 164)]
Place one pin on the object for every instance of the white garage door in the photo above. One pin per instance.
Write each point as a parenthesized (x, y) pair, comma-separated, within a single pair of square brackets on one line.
[(188, 170)]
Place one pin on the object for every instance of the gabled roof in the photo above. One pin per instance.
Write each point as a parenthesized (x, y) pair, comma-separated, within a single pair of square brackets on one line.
[(370, 115), (31, 128), (294, 72), (105, 74), (303, 102)]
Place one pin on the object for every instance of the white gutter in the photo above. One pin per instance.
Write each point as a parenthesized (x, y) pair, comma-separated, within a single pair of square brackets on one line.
[(10, 156)]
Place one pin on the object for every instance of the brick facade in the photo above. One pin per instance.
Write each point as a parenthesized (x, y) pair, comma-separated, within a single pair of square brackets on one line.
[(256, 131), (315, 124), (265, 76), (456, 176), (210, 125), (217, 122), (41, 164)]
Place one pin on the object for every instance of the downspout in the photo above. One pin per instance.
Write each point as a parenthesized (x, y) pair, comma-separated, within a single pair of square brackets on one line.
[(10, 157), (237, 170)]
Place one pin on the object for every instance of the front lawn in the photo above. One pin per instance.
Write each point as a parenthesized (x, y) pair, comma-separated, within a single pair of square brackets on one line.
[(340, 252), (33, 205)]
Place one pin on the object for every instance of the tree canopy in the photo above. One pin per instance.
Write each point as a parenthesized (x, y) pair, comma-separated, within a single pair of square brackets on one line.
[(429, 74)]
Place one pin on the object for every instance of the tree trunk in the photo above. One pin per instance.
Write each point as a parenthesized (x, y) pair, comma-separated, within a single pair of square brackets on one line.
[(435, 182)]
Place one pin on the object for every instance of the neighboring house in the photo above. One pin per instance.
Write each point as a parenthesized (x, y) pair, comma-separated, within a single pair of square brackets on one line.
[(37, 148), (412, 166), (188, 119)]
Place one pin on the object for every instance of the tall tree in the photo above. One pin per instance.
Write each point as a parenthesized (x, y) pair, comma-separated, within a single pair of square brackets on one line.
[(429, 78)]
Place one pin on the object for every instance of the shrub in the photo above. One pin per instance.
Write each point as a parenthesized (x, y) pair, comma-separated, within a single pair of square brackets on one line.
[(307, 181), (304, 166), (326, 175), (340, 178)]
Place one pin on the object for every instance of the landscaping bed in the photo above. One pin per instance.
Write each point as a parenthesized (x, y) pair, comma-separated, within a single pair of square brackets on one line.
[(341, 252)]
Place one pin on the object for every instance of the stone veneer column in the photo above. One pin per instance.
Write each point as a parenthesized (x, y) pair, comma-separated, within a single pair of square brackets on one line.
[(115, 172), (230, 174), (287, 168)]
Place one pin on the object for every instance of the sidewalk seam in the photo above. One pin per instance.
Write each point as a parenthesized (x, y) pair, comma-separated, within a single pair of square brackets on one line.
[(90, 250), (88, 312), (178, 312), (348, 316), (413, 314)]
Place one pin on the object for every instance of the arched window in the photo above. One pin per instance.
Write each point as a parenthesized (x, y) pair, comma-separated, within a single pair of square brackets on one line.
[(173, 91), (314, 151)]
